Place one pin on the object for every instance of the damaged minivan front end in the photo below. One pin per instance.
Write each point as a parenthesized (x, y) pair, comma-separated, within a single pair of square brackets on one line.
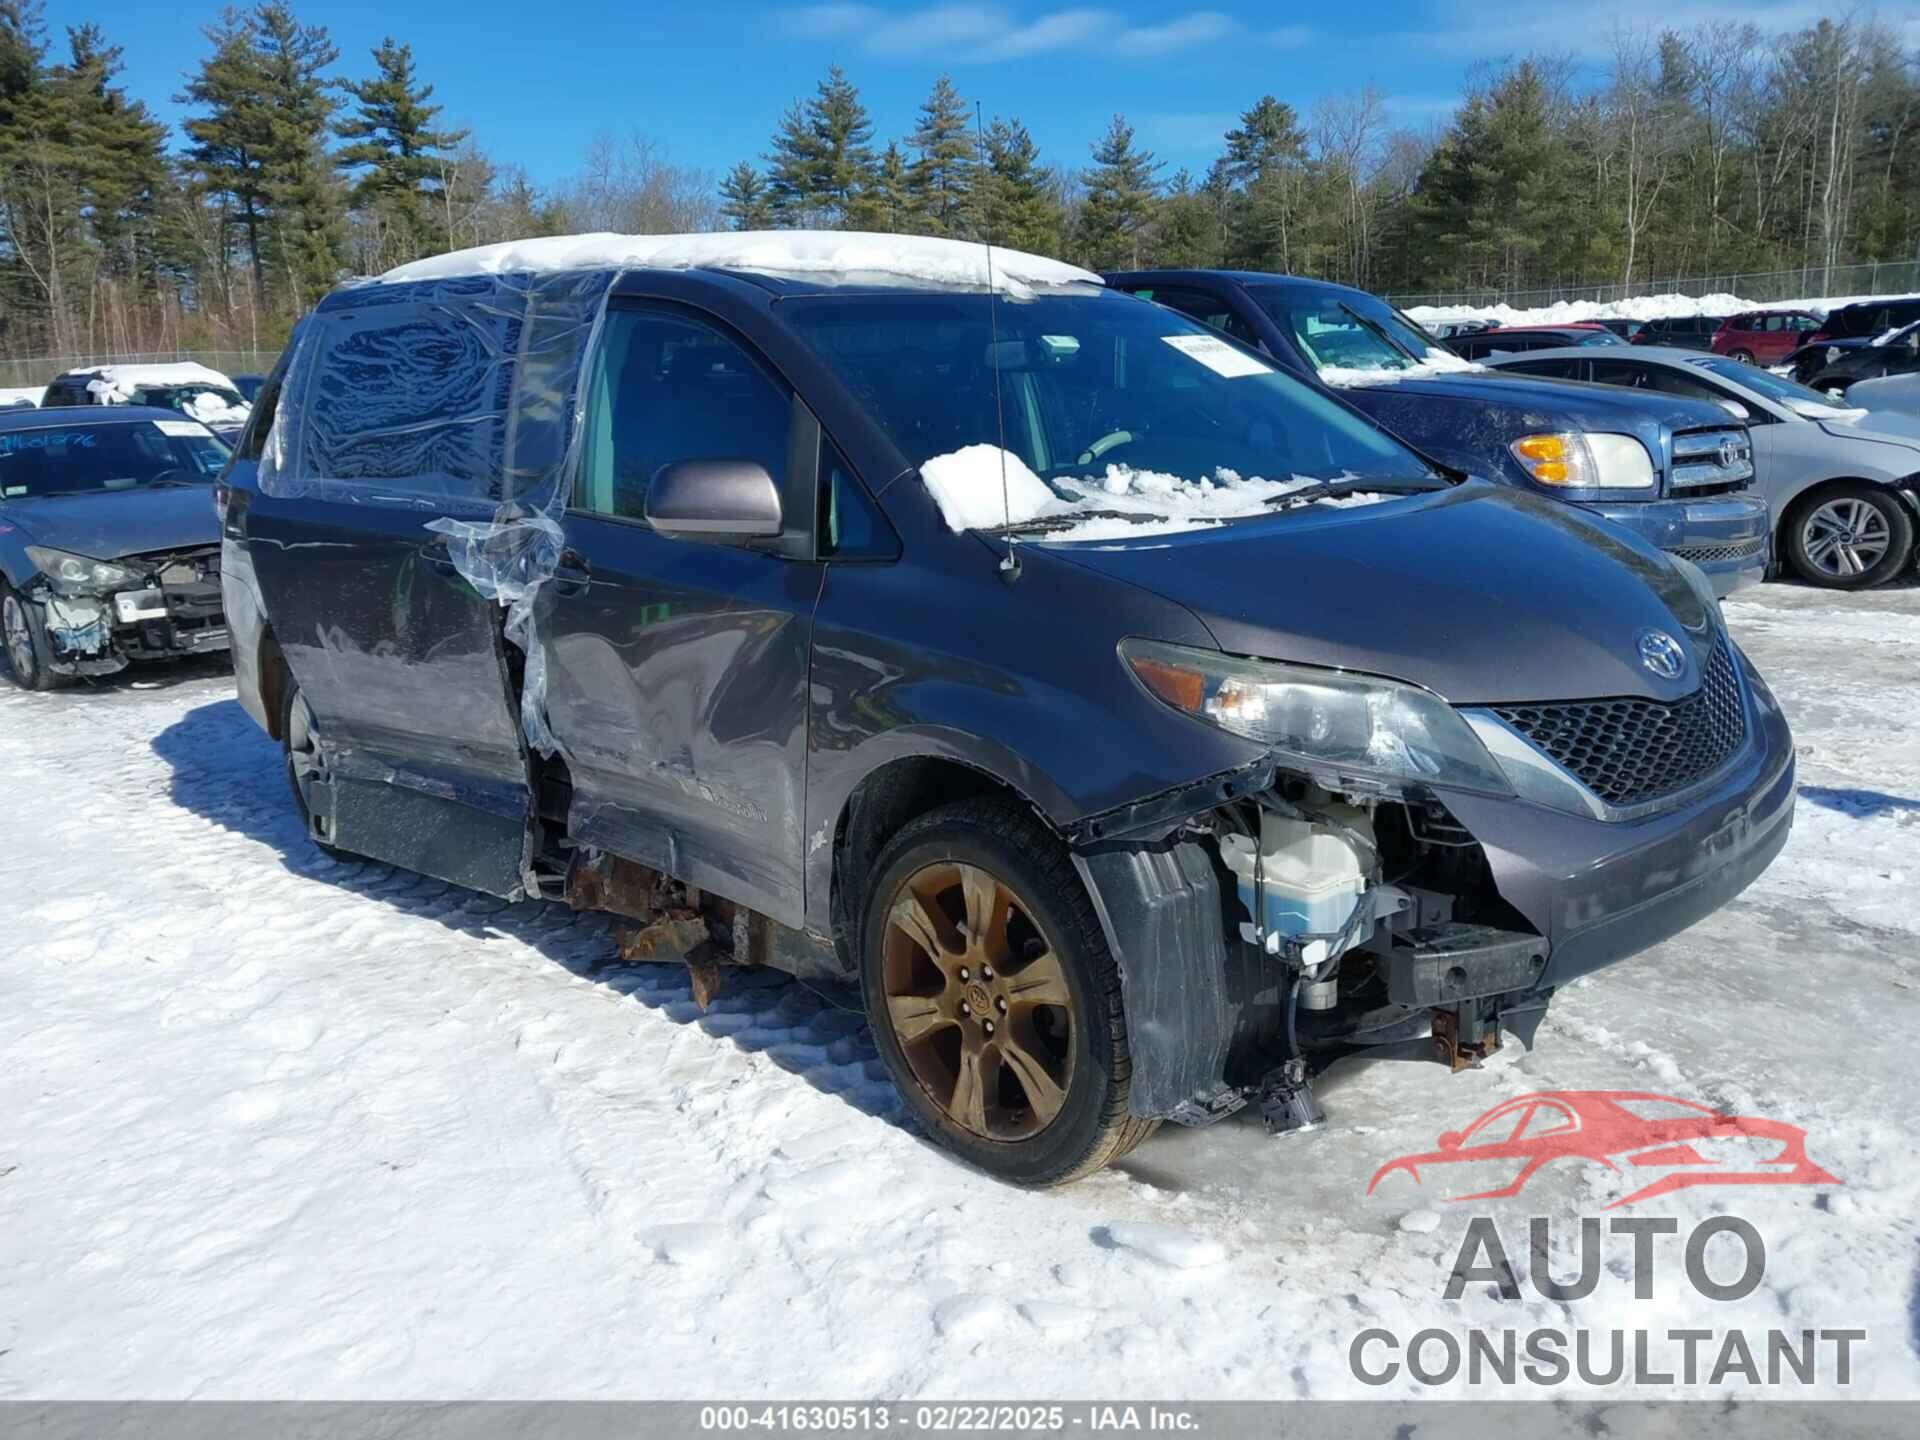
[(1397, 868)]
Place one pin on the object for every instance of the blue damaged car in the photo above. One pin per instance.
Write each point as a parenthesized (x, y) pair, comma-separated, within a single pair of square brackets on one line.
[(108, 548)]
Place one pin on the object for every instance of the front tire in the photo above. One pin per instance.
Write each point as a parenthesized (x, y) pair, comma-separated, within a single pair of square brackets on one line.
[(25, 632), (993, 997), (1850, 536), (1745, 357)]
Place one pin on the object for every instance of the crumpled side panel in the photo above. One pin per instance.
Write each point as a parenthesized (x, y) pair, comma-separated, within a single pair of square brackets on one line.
[(458, 396)]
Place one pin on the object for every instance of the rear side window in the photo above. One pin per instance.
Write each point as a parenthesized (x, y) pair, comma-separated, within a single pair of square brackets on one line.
[(65, 394), (665, 387), (1548, 369), (1209, 310)]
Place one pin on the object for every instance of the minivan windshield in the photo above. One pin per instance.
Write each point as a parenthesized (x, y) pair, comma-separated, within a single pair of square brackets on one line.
[(1110, 403), (1776, 388), (100, 456)]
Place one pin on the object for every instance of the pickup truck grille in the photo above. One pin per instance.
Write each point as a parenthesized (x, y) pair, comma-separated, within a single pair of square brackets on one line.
[(1713, 554), (1628, 751), (1720, 458)]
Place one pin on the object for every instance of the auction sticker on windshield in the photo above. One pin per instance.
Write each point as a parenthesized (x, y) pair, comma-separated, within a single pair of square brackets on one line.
[(1218, 356), (182, 427)]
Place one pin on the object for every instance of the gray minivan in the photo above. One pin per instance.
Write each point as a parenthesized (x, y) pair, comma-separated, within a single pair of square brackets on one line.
[(1136, 725)]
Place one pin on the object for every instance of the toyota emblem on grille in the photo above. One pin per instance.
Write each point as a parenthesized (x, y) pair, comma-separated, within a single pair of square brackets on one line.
[(1661, 654), (1729, 454)]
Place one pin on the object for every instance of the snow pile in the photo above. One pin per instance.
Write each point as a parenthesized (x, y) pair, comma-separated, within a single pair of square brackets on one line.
[(1640, 307), (966, 485), (32, 394), (211, 409), (778, 252), (1438, 362)]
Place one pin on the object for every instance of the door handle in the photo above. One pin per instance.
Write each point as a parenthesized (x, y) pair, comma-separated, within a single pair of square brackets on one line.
[(435, 557), (573, 575)]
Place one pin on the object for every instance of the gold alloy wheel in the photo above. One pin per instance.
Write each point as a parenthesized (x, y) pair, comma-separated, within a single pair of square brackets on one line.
[(978, 1000)]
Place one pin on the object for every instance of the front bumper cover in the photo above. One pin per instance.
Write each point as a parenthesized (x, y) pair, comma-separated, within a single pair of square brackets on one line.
[(1728, 536)]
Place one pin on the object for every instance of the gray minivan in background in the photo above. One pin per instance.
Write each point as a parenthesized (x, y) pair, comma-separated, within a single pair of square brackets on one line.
[(1136, 725)]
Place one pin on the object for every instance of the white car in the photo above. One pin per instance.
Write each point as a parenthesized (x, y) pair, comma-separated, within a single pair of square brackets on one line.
[(196, 391), (1839, 482)]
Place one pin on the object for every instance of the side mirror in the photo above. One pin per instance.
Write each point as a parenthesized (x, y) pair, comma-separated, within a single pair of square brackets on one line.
[(717, 500), (1736, 409)]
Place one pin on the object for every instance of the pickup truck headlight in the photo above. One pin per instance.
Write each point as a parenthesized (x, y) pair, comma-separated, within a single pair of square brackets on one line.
[(71, 574), (1576, 460), (1358, 725)]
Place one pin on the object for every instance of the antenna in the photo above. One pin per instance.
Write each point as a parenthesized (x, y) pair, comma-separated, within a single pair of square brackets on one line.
[(1010, 562)]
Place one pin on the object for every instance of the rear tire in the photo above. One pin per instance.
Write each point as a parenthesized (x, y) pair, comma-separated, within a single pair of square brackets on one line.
[(1745, 357), (24, 627), (300, 751), (1849, 536), (993, 997)]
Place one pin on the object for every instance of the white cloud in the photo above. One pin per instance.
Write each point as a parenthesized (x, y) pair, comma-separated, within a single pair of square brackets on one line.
[(1467, 28), (972, 33), (1290, 37)]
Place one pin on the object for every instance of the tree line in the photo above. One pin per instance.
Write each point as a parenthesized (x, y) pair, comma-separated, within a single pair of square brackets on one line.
[(1712, 150)]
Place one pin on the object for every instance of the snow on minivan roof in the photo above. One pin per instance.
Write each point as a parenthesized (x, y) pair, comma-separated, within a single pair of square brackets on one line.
[(779, 252)]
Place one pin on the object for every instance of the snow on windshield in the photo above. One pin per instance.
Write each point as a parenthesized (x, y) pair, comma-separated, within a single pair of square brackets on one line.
[(780, 252), (1124, 503), (1438, 362), (210, 407)]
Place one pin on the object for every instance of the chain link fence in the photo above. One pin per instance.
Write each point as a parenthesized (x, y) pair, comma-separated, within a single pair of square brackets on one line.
[(38, 370), (1894, 277)]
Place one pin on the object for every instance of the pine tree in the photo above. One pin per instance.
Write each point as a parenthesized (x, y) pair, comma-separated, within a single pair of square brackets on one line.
[(1022, 204), (1120, 192), (744, 199), (822, 155), (1266, 157), (885, 203), (400, 157), (262, 145), (945, 163)]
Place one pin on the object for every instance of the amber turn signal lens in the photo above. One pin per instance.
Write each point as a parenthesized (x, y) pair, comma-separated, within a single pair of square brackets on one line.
[(1542, 448), (1180, 688)]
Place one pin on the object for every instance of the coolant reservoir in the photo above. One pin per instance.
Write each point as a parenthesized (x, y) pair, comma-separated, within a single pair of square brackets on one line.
[(1313, 872)]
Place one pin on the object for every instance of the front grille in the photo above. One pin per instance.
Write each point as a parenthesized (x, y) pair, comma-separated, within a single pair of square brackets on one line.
[(1713, 554), (1711, 457), (1629, 751)]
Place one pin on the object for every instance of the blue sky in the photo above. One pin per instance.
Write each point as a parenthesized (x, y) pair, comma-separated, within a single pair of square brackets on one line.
[(707, 81)]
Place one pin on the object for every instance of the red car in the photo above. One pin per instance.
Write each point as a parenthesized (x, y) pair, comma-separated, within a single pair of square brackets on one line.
[(1695, 1144), (1764, 337)]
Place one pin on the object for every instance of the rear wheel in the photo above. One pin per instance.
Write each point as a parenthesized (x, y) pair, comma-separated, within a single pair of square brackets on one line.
[(306, 766), (1745, 357), (1849, 537), (28, 652), (994, 1000)]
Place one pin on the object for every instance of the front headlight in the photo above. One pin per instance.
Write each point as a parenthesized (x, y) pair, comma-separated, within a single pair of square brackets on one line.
[(1576, 460), (72, 574), (1356, 725)]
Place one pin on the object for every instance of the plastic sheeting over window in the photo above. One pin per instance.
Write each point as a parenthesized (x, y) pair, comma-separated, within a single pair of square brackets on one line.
[(457, 396)]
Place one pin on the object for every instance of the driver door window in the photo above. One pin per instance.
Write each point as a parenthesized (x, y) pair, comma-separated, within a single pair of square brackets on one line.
[(663, 388)]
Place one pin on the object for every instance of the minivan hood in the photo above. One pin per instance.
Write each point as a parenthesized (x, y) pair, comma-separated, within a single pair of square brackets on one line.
[(1483, 594), (112, 523)]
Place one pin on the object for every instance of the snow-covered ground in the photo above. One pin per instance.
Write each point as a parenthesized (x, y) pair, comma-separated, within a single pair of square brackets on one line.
[(1639, 307), (272, 1125)]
